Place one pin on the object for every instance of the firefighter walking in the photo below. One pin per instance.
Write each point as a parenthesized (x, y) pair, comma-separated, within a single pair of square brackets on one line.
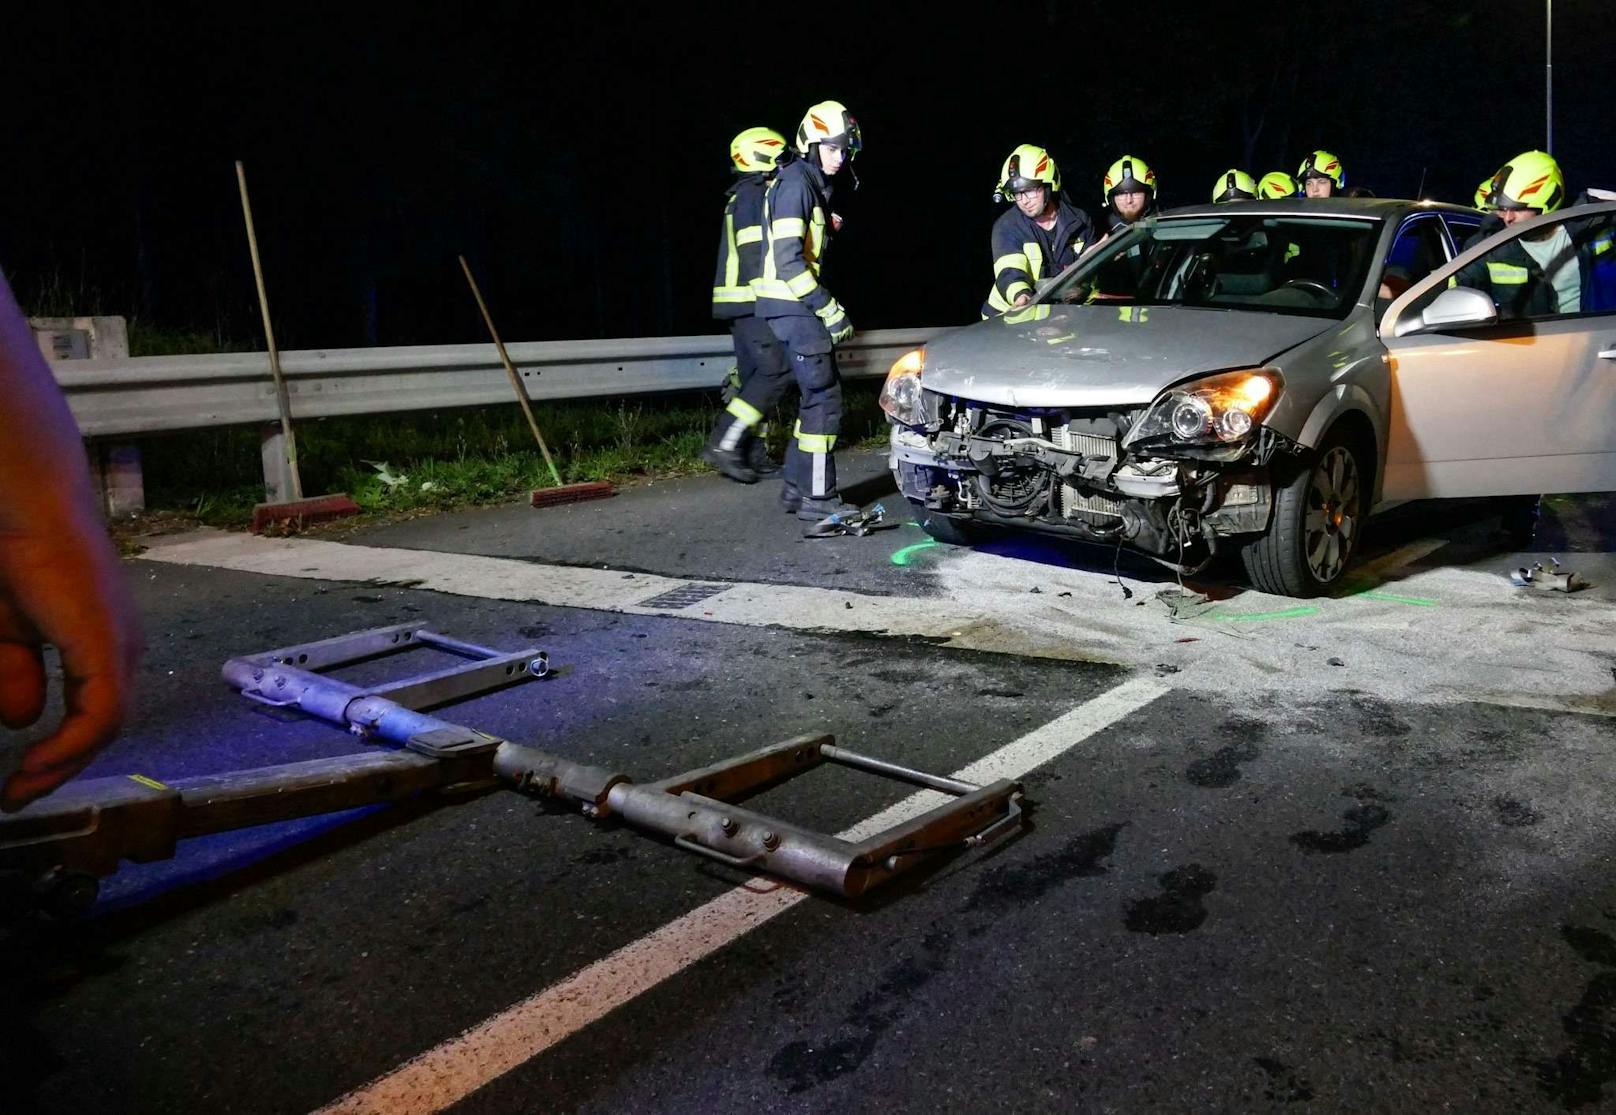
[(762, 374), (802, 313)]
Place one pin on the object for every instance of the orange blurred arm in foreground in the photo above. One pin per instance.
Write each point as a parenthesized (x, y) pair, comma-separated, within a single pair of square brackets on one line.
[(59, 577)]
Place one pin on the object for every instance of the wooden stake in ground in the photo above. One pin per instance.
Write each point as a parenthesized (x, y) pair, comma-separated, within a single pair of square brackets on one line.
[(510, 369), (281, 398), (295, 512)]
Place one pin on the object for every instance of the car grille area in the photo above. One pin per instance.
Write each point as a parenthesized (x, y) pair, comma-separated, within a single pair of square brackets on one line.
[(1074, 502)]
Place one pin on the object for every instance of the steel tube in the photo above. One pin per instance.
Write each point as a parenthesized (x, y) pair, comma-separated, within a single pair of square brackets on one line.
[(894, 771), (459, 646)]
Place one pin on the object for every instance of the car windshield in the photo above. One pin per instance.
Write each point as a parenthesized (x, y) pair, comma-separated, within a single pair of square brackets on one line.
[(1312, 266)]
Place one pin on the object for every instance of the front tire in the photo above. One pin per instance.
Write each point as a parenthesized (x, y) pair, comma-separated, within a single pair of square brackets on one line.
[(1318, 516)]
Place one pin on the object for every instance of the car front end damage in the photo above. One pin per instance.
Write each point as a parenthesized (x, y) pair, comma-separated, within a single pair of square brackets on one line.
[(1171, 478)]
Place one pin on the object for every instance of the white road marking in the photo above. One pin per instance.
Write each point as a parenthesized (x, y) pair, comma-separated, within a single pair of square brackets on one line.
[(754, 605), (1441, 633), (454, 1070)]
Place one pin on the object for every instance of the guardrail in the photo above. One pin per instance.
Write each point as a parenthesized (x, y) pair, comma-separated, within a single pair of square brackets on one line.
[(121, 398), (153, 394)]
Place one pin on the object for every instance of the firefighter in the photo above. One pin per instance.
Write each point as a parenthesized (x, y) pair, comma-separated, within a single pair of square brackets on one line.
[(737, 447), (1274, 185), (1561, 270), (1129, 189), (1321, 175), (1038, 236), (802, 313), (1566, 269), (1234, 185)]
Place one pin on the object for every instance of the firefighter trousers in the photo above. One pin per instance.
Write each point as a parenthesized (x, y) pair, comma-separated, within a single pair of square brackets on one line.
[(765, 375), (811, 455)]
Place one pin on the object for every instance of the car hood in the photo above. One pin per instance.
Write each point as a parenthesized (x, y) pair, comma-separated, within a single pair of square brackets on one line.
[(1102, 355)]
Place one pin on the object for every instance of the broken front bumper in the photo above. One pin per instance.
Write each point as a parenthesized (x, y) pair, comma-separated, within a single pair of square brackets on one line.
[(1073, 478)]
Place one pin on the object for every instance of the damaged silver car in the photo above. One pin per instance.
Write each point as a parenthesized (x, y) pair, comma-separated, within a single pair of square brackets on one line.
[(1256, 376)]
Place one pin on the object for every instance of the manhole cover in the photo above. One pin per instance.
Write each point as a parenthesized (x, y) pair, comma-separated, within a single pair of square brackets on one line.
[(682, 597)]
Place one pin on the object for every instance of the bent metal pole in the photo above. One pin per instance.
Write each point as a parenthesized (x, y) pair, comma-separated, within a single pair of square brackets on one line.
[(281, 399)]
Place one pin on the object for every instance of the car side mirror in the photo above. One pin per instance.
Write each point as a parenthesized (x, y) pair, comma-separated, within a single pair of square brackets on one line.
[(1458, 306)]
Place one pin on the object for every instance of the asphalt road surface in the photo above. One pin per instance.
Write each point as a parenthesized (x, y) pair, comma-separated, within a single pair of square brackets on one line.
[(1352, 854)]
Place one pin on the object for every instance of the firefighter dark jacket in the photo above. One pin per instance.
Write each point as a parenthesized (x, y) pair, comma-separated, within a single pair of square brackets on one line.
[(740, 248), (796, 233), (1024, 253)]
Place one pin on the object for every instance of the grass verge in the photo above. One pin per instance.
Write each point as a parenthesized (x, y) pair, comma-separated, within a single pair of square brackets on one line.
[(399, 465)]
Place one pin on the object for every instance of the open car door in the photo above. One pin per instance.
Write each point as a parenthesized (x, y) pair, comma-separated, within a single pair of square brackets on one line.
[(1496, 393)]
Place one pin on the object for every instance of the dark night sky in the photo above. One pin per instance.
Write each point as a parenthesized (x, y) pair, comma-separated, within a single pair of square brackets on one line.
[(578, 159)]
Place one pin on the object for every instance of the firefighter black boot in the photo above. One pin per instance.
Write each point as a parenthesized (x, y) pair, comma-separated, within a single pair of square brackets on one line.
[(723, 450), (813, 510), (758, 459)]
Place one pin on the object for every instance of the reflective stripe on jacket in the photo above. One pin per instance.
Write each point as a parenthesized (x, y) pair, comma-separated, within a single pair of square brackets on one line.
[(740, 249)]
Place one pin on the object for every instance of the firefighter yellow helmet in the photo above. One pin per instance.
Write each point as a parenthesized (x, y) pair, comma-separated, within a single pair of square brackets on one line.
[(1531, 180), (1275, 185), (829, 122), (1234, 185), (1322, 164), (1129, 174), (1027, 166), (757, 150), (1483, 191)]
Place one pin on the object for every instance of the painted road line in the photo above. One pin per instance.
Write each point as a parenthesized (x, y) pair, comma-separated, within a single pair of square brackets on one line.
[(801, 607), (454, 1070)]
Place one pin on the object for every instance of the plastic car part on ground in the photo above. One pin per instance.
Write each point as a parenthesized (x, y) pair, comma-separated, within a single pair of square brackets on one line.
[(1549, 580), (870, 519)]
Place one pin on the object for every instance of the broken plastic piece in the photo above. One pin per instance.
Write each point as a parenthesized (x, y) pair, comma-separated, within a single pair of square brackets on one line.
[(1549, 580), (866, 521)]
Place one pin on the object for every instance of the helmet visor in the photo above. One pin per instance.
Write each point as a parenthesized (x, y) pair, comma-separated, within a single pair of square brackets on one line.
[(852, 141)]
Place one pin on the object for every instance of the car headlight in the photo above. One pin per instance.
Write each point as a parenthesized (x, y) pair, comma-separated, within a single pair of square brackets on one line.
[(900, 395), (1212, 411)]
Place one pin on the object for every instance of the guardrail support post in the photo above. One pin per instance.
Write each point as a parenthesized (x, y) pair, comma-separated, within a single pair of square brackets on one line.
[(122, 485), (277, 470)]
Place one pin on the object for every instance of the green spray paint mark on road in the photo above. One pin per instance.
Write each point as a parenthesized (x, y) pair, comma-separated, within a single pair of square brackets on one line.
[(901, 557), (1418, 601), (1250, 617)]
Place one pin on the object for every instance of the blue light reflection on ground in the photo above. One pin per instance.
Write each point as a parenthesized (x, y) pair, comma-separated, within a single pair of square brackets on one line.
[(206, 858)]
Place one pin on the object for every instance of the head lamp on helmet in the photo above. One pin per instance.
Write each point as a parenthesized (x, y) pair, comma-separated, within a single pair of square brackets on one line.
[(756, 150), (1531, 180), (1322, 164), (1276, 184), (1234, 185), (1027, 166), (1129, 174)]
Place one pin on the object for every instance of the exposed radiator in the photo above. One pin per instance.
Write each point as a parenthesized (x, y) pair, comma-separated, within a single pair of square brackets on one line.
[(1072, 501)]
